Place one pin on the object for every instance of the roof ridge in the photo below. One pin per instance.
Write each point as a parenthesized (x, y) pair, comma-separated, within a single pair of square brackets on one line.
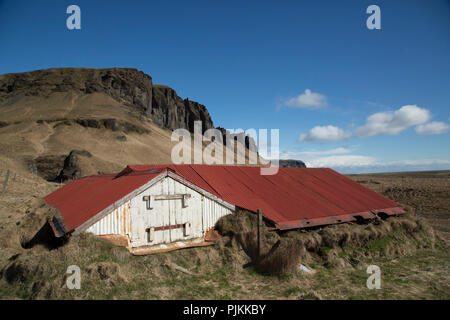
[(205, 181)]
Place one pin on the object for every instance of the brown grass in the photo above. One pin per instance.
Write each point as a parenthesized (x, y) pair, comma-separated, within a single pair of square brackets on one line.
[(413, 259), (426, 193), (47, 128), (332, 246)]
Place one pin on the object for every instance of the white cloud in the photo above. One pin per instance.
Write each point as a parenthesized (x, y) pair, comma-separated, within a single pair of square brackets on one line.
[(308, 99), (434, 127), (422, 162), (364, 164), (339, 160), (342, 161), (392, 123), (381, 123), (325, 134), (305, 155)]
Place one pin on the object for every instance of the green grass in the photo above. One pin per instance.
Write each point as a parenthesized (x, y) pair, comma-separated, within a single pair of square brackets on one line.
[(379, 245)]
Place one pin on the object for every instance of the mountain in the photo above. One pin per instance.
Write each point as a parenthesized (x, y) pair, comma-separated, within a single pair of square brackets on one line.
[(129, 87), (71, 122)]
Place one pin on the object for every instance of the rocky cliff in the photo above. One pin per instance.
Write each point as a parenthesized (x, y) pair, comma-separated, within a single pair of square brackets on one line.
[(62, 124), (172, 112), (128, 86)]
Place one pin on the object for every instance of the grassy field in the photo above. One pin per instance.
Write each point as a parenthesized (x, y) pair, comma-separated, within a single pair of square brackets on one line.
[(413, 258), (427, 193)]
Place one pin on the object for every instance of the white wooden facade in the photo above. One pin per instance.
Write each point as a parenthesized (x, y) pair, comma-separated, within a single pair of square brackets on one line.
[(167, 211)]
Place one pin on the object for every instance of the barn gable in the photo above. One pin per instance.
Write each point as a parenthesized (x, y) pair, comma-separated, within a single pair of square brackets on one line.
[(165, 212)]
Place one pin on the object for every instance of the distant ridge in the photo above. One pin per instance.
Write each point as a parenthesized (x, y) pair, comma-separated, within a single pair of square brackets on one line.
[(292, 164)]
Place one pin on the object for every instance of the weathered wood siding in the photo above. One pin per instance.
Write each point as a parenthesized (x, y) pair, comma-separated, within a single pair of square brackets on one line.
[(136, 220), (117, 222)]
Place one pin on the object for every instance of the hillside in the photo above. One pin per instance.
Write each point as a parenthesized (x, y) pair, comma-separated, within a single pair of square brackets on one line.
[(109, 117)]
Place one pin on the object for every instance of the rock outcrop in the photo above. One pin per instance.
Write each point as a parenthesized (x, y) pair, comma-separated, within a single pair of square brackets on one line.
[(128, 86), (110, 124), (292, 164), (71, 169), (172, 112), (241, 137)]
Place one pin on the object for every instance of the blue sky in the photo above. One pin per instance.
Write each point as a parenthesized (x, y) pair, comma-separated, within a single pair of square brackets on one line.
[(342, 96)]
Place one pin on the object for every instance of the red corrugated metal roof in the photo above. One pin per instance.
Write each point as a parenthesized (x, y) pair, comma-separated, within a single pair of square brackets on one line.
[(293, 198), (82, 199)]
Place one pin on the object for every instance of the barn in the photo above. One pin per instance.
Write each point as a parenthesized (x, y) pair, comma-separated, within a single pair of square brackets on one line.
[(152, 208)]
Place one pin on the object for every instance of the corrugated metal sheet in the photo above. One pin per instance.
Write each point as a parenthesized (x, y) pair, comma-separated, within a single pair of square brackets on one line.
[(293, 198), (80, 200)]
